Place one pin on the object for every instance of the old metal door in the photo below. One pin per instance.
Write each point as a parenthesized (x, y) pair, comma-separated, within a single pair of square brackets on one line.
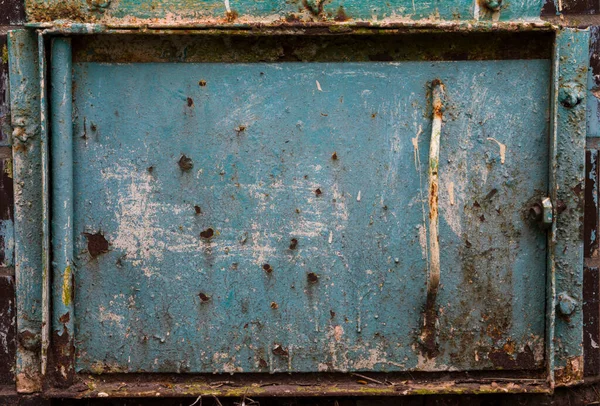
[(308, 204), (248, 217)]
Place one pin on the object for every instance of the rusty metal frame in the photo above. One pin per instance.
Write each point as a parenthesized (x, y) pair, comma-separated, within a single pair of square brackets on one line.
[(565, 240), (565, 261)]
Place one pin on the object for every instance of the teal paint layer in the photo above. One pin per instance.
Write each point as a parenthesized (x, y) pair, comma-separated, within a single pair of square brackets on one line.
[(264, 253), (270, 11), (25, 117)]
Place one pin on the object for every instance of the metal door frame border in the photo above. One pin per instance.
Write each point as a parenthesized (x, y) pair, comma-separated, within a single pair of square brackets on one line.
[(37, 327)]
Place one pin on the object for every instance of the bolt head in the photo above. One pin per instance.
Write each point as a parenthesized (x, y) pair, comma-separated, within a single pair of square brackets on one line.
[(570, 94), (566, 304)]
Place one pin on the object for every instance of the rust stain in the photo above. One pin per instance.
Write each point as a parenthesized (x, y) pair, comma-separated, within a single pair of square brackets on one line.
[(279, 350), (505, 357), (341, 15), (428, 339), (293, 243), (97, 244), (231, 16), (571, 374), (207, 234), (63, 351), (64, 10)]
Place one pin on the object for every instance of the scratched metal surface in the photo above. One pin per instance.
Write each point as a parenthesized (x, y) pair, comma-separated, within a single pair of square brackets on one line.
[(314, 263), (273, 11)]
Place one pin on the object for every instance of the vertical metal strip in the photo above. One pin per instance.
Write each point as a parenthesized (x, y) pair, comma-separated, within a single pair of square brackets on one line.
[(428, 336), (62, 210), (25, 116), (45, 206), (591, 279), (567, 182)]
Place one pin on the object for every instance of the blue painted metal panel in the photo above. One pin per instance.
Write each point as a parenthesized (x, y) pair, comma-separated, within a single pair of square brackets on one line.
[(223, 12), (272, 217)]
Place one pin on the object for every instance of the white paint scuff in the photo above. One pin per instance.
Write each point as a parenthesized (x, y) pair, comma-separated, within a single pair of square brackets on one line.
[(502, 149)]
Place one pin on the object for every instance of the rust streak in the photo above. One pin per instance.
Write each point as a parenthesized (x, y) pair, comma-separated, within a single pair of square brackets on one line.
[(428, 333)]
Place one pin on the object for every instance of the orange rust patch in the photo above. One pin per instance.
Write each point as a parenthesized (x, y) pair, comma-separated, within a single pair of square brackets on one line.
[(433, 201), (571, 374)]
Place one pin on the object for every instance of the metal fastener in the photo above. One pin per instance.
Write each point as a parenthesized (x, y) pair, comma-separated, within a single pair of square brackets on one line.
[(541, 212), (566, 304), (570, 94)]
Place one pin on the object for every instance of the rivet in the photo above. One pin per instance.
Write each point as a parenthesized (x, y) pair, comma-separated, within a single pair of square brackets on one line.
[(570, 94), (566, 304)]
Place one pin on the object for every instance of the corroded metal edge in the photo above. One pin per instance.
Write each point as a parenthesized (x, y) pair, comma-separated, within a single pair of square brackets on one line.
[(275, 385), (567, 174), (46, 295), (24, 90), (262, 28), (428, 337)]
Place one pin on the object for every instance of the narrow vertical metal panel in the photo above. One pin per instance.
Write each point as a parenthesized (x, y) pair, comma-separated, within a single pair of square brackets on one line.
[(62, 209), (591, 330), (590, 226), (567, 174), (591, 278), (24, 89), (4, 93), (45, 205), (7, 327), (7, 282), (593, 85)]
